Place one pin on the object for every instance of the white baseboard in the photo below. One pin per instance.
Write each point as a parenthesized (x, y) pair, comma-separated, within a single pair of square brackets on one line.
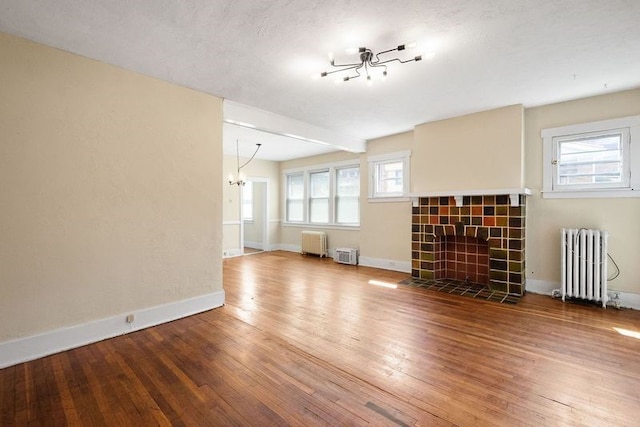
[(385, 264), (544, 287), (36, 346), (230, 253), (287, 248), (255, 245)]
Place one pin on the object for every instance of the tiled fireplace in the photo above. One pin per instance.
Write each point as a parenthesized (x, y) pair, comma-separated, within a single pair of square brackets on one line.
[(478, 239)]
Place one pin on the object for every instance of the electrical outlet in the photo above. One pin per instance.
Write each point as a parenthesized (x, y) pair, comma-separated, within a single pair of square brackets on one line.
[(130, 318)]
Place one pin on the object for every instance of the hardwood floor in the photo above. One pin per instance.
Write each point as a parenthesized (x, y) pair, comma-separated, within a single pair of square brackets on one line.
[(305, 341)]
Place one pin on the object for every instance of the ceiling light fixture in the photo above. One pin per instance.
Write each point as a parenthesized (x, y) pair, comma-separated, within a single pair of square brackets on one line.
[(369, 61), (240, 179)]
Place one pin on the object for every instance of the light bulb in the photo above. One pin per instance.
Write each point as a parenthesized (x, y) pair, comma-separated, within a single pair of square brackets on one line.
[(411, 45), (369, 81), (351, 50), (230, 178)]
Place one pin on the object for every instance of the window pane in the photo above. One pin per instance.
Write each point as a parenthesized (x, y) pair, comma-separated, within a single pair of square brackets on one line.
[(595, 159), (319, 197), (319, 183), (295, 197), (348, 181), (319, 210), (295, 210), (348, 210), (389, 177), (348, 195), (247, 201), (295, 186)]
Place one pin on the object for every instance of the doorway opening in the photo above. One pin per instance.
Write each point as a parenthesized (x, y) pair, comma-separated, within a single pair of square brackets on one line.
[(254, 228)]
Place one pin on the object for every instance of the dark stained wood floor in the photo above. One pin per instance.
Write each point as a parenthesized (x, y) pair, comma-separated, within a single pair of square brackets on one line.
[(305, 341)]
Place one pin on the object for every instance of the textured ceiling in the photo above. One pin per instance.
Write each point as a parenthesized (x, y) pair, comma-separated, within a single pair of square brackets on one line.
[(488, 53)]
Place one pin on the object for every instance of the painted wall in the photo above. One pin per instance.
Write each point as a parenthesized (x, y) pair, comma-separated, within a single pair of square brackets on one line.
[(477, 151), (110, 191), (254, 229), (290, 235), (259, 169), (545, 217), (385, 227)]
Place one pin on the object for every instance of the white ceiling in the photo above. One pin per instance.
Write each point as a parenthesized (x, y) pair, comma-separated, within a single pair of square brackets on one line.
[(488, 53)]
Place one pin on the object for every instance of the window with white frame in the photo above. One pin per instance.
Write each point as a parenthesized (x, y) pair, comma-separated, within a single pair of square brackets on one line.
[(592, 159), (319, 197), (389, 175), (247, 201), (347, 195), (295, 197), (323, 195)]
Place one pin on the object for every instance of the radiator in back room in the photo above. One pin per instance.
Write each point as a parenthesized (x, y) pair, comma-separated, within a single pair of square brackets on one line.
[(314, 242), (584, 264)]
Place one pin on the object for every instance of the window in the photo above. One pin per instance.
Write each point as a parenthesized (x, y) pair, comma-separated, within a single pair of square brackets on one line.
[(247, 201), (389, 175), (319, 197), (295, 197), (347, 199), (327, 195), (591, 160)]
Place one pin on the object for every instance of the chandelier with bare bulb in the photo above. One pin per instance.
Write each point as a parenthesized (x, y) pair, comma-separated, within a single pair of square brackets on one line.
[(368, 62)]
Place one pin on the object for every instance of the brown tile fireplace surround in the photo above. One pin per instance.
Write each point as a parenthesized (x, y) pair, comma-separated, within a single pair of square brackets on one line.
[(477, 239)]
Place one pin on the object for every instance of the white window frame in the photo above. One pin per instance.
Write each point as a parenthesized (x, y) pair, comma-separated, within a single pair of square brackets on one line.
[(309, 198), (630, 151), (398, 156), (306, 171), (336, 197), (286, 197)]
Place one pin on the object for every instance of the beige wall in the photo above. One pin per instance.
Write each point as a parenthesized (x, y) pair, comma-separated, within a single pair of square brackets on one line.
[(109, 187), (336, 237), (385, 227), (545, 217), (473, 152), (260, 169)]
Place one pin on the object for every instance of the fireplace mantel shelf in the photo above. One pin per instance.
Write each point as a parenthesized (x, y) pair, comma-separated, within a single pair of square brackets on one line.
[(458, 195)]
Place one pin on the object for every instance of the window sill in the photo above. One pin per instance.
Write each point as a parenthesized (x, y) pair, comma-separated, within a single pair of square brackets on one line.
[(590, 194), (388, 199), (321, 226)]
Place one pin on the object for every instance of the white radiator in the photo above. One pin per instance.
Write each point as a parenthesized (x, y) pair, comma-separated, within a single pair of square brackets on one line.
[(314, 242), (346, 256), (584, 264)]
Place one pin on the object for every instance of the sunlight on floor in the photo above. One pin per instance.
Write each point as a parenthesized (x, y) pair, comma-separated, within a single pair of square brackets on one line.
[(383, 284), (627, 333)]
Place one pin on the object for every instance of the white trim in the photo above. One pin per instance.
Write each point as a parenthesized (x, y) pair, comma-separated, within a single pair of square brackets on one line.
[(323, 166), (544, 287), (397, 156), (36, 346), (385, 264), (480, 192), (255, 245), (230, 253), (287, 247), (389, 156), (322, 226), (630, 122), (388, 199), (230, 222), (590, 194)]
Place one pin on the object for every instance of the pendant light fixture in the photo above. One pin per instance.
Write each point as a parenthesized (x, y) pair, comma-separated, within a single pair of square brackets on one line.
[(240, 179)]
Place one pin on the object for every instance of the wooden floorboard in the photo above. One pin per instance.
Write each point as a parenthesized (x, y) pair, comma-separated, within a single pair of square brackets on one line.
[(306, 341)]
